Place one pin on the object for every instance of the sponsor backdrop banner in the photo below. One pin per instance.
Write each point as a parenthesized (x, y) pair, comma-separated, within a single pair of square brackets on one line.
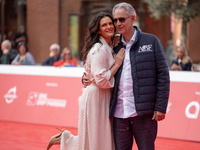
[(41, 99), (183, 114), (51, 97)]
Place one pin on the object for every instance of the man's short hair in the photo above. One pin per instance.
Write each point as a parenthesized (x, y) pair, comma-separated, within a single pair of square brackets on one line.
[(7, 43), (55, 46), (128, 7)]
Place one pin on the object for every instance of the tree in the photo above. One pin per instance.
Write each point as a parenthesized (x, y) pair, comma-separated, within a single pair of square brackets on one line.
[(182, 9)]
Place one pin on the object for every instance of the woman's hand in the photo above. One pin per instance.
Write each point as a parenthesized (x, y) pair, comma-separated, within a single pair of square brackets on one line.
[(17, 63), (119, 57), (118, 62), (85, 80)]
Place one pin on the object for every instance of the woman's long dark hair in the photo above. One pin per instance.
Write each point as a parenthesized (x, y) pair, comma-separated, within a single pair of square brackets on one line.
[(92, 36)]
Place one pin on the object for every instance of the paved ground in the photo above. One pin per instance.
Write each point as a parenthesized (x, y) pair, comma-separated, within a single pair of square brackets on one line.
[(21, 136)]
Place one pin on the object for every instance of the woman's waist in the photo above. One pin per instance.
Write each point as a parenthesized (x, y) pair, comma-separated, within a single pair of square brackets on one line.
[(93, 84)]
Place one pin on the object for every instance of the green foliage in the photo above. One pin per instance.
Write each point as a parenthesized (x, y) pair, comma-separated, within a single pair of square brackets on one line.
[(183, 9)]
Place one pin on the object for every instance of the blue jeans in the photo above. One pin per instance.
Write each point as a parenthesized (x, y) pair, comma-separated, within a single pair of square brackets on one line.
[(142, 129)]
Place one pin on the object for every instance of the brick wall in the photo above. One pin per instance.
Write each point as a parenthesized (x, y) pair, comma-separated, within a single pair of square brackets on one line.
[(48, 23), (42, 27)]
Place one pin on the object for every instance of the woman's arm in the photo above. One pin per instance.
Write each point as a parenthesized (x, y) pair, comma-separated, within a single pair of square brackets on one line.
[(100, 66)]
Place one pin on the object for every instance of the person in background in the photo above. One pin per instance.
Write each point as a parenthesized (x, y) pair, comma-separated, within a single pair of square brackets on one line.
[(20, 36), (182, 61), (67, 59), (24, 57), (8, 53), (53, 56)]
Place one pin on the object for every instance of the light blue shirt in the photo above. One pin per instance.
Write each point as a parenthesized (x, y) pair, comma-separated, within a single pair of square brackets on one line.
[(29, 60)]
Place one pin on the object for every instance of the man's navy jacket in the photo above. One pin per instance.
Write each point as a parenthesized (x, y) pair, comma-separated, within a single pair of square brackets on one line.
[(150, 74)]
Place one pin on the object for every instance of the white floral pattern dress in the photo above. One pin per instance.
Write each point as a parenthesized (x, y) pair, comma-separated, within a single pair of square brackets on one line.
[(94, 125)]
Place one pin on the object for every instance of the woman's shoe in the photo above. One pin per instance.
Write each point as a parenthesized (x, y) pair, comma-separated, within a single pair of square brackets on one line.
[(55, 139)]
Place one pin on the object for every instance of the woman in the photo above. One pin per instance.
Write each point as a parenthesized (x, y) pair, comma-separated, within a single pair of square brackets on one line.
[(23, 57), (182, 60), (67, 59), (94, 127)]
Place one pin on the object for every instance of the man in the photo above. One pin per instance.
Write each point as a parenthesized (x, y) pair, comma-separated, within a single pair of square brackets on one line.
[(53, 56), (8, 54), (141, 90), (20, 36)]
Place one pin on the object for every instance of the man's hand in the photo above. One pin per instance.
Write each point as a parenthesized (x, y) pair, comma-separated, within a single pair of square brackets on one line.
[(5, 51), (158, 116), (85, 80), (176, 67)]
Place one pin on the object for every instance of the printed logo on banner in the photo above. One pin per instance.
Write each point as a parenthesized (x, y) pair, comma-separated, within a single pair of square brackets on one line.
[(10, 95), (51, 84), (193, 108), (32, 98), (41, 99), (168, 106)]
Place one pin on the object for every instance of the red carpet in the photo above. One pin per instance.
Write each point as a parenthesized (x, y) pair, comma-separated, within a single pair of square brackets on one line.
[(21, 136)]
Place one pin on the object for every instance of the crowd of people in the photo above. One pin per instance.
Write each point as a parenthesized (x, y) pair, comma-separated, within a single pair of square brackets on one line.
[(17, 53)]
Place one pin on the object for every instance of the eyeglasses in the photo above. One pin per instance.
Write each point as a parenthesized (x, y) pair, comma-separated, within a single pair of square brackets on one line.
[(121, 19)]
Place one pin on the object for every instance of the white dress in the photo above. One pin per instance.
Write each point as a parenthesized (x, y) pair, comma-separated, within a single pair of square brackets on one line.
[(94, 125)]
